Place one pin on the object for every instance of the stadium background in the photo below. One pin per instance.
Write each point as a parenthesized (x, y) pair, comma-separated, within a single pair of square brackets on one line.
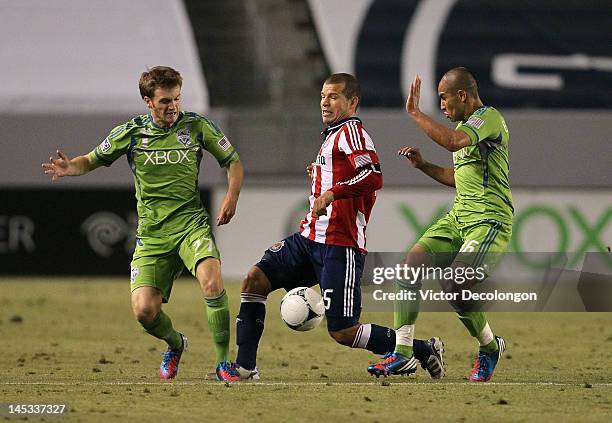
[(256, 68)]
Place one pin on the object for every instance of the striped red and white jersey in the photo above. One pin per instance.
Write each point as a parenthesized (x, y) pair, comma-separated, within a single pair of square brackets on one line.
[(347, 164)]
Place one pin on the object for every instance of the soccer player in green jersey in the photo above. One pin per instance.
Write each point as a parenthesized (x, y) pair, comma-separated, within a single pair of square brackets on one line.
[(477, 229), (164, 149)]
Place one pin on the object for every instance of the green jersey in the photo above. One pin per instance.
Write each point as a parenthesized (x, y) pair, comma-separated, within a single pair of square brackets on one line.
[(166, 163), (481, 169)]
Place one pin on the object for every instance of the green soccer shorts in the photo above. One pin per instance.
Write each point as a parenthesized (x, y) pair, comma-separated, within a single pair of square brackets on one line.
[(478, 244), (157, 262)]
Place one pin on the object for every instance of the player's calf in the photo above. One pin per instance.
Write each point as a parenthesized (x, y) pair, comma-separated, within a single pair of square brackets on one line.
[(369, 336), (345, 336), (251, 317)]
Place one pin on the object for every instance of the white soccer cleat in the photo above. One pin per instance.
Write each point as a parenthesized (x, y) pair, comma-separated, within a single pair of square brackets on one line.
[(246, 374)]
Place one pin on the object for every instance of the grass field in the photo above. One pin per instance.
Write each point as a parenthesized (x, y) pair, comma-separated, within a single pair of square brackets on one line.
[(75, 341)]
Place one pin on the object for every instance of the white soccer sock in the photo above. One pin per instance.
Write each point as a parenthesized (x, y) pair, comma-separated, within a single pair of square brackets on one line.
[(405, 335), (485, 336), (362, 336), (245, 297)]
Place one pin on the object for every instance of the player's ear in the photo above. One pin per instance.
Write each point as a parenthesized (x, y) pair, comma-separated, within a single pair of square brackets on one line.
[(462, 95), (148, 101)]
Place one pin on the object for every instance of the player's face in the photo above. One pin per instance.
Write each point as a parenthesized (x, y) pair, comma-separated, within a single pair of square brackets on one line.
[(334, 104), (451, 103), (165, 106)]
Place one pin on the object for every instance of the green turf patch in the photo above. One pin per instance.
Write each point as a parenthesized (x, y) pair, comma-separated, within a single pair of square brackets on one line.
[(75, 341)]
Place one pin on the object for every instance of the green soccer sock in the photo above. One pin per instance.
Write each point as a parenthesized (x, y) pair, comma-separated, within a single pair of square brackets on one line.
[(161, 328), (476, 323), (404, 316), (490, 347), (217, 311), (405, 311)]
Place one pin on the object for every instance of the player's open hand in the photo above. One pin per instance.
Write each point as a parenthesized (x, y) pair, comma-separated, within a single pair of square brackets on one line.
[(227, 210), (57, 167), (319, 208), (413, 155), (412, 103)]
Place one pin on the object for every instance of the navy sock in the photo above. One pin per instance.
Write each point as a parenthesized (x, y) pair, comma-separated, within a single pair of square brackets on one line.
[(377, 339), (421, 349), (249, 328)]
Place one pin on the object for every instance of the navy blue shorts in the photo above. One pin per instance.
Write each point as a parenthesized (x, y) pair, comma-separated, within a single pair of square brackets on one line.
[(298, 261)]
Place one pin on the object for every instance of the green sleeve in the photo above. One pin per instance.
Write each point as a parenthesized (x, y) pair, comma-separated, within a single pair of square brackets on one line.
[(481, 125), (213, 140), (115, 145)]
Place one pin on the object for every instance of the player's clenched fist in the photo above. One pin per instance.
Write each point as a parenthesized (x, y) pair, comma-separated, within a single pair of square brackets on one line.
[(319, 208)]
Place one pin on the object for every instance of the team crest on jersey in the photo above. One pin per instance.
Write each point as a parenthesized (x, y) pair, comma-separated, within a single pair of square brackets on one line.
[(277, 247), (183, 136), (105, 145), (134, 274)]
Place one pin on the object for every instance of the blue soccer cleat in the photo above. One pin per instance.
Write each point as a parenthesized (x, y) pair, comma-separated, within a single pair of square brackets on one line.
[(226, 372), (393, 364), (170, 361), (485, 363), (434, 363)]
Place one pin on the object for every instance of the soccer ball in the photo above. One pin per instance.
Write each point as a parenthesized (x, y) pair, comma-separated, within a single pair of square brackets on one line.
[(302, 308)]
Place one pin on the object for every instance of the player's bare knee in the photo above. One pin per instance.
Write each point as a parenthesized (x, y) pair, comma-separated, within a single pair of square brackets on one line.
[(211, 287), (256, 282), (145, 313), (146, 304), (465, 279), (208, 274), (417, 257)]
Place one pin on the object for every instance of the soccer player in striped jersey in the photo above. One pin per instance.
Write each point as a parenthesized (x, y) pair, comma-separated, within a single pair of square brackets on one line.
[(330, 246), (478, 228), (164, 149)]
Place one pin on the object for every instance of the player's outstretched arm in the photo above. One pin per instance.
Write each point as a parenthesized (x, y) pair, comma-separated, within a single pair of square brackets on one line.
[(64, 166), (450, 139), (444, 175), (235, 175)]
